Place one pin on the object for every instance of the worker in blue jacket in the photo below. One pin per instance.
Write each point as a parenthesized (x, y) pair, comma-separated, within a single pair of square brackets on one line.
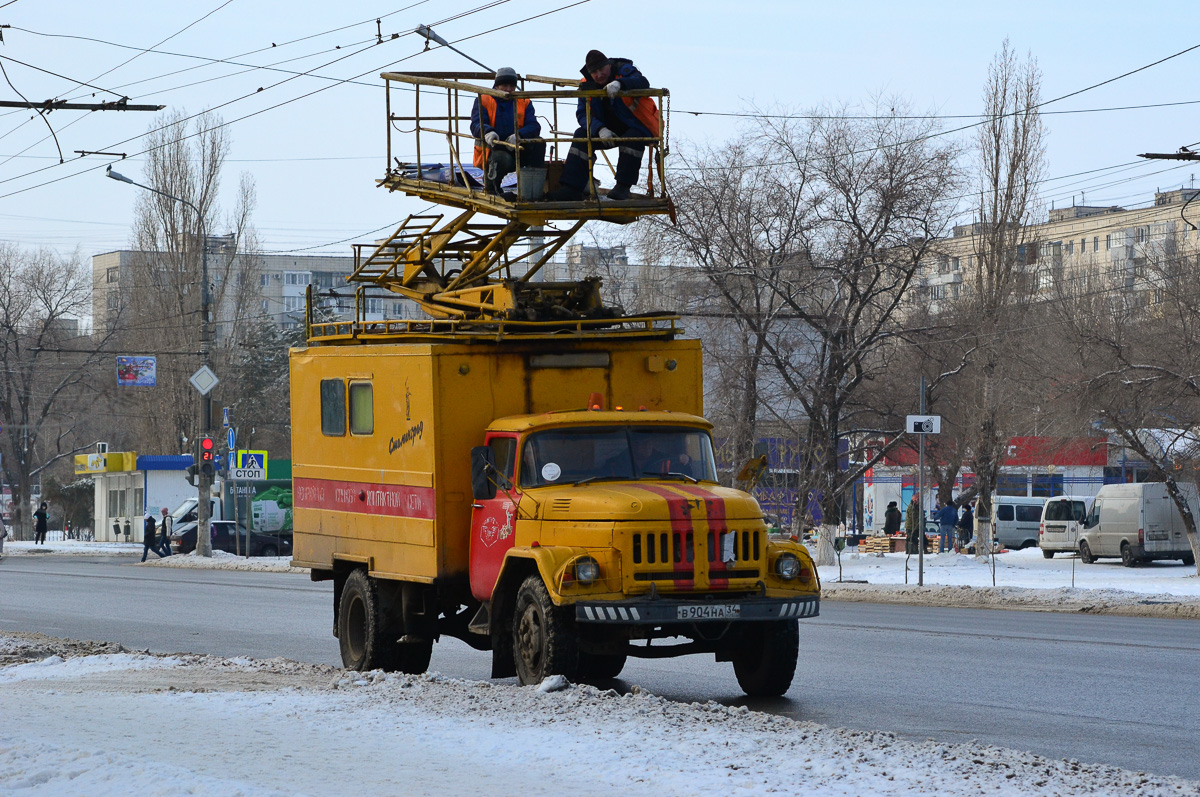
[(494, 120), (605, 119)]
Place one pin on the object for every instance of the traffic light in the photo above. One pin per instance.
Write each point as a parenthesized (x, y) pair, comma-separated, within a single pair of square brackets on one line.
[(208, 456)]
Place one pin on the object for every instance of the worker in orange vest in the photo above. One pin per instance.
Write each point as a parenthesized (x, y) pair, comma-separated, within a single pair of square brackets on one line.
[(611, 117), (495, 120)]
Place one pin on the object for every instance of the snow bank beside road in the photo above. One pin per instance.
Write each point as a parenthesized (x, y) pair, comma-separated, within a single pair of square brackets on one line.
[(72, 548), (1024, 580), (103, 734), (221, 560)]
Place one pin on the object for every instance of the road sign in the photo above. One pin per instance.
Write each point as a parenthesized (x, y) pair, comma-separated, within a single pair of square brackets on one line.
[(249, 474), (231, 436), (923, 424), (252, 459), (225, 418), (232, 460), (204, 380)]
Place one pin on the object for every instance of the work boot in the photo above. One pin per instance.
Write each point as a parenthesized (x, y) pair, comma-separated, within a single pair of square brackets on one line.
[(565, 194), (619, 193)]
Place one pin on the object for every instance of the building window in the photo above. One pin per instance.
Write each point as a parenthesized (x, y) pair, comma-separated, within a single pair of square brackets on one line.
[(955, 264), (296, 277), (114, 274), (1045, 486), (333, 407), (293, 304), (1083, 246), (362, 410), (374, 306), (1096, 244), (1070, 247), (265, 307), (264, 280), (1012, 484)]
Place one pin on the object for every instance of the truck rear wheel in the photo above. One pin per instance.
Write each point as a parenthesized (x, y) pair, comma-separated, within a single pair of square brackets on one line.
[(545, 640), (360, 625), (766, 660), (1127, 557), (1189, 559), (1047, 554), (601, 666)]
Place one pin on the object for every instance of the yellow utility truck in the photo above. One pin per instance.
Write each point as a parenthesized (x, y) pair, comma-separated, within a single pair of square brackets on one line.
[(528, 470), (555, 503)]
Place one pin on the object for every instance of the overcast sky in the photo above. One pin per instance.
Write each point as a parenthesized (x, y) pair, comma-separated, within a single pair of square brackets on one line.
[(315, 159)]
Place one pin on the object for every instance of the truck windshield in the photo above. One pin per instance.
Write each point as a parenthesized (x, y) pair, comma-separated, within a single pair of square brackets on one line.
[(621, 453)]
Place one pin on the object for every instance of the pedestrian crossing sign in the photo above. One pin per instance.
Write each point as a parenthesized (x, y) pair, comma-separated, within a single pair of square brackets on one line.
[(252, 459)]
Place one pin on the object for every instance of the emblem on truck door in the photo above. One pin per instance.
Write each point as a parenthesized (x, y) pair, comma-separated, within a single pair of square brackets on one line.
[(491, 532)]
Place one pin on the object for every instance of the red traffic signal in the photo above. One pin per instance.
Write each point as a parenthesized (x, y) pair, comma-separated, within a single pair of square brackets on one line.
[(207, 456)]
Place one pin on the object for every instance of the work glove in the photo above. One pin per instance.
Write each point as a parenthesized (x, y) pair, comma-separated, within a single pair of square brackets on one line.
[(490, 137), (512, 139), (606, 133), (612, 88)]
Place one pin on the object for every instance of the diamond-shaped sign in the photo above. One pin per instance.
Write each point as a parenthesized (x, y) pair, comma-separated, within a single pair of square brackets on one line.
[(204, 380)]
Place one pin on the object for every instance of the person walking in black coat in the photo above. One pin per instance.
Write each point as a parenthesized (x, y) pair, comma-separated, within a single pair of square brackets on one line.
[(149, 535), (164, 530), (891, 519), (39, 529)]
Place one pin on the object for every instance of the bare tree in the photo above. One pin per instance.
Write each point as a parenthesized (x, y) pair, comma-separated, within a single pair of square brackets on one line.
[(1011, 152), (811, 234), (49, 366), (1137, 357), (161, 314)]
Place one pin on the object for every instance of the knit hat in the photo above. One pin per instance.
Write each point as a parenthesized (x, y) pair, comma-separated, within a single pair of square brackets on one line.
[(595, 59), (505, 74)]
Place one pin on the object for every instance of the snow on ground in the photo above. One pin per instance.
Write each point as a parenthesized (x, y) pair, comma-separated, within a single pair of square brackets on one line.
[(211, 726), (72, 548), (1024, 579), (220, 560)]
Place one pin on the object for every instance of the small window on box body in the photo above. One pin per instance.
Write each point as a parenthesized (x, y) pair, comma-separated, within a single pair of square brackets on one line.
[(333, 407), (362, 411)]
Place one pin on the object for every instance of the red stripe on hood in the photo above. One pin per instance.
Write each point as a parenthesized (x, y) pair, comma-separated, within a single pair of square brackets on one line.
[(715, 508), (681, 523)]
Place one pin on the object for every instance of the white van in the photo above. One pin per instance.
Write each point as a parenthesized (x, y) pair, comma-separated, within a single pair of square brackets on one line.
[(1062, 520), (1018, 519), (1138, 523)]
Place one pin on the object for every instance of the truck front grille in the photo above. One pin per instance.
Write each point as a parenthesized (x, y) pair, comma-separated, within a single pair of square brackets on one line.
[(663, 548), (744, 545)]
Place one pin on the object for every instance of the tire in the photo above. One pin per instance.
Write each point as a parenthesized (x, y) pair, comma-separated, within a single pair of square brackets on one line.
[(601, 666), (1085, 553), (545, 641), (1189, 559), (1127, 557), (268, 550), (407, 657), (765, 662), (1048, 554), (360, 625)]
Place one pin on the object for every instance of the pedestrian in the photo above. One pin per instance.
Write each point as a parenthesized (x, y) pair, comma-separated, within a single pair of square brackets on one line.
[(947, 518), (149, 537), (891, 519), (39, 529), (966, 526), (912, 527), (606, 120), (512, 121), (3, 536), (164, 525)]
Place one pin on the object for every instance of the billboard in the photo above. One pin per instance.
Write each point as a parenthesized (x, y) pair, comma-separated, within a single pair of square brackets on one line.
[(137, 372)]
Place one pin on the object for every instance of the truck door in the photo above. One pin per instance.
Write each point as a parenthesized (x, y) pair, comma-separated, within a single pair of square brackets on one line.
[(493, 520)]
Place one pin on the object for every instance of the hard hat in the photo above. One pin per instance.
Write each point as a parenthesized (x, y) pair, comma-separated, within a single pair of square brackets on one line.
[(505, 74)]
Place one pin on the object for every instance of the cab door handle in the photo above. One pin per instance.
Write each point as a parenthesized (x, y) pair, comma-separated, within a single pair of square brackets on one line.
[(477, 506)]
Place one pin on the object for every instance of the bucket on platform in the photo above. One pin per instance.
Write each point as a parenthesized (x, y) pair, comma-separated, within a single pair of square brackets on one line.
[(532, 183)]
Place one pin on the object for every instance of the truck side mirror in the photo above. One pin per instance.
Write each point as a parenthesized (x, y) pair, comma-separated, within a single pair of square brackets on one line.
[(483, 465)]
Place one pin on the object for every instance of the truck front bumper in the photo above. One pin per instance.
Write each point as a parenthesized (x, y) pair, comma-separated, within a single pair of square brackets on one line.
[(668, 611)]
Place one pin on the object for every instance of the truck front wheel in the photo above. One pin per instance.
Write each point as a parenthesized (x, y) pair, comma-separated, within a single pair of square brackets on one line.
[(766, 660), (545, 640), (601, 666)]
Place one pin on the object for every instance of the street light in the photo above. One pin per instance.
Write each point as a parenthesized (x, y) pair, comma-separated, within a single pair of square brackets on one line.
[(204, 480)]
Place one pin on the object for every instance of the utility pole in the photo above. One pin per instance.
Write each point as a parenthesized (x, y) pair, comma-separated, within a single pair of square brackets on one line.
[(921, 499), (204, 478)]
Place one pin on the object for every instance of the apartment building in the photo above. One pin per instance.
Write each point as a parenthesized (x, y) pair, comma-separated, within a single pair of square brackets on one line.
[(1089, 247)]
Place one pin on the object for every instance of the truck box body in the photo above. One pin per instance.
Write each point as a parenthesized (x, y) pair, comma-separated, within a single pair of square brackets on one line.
[(392, 489)]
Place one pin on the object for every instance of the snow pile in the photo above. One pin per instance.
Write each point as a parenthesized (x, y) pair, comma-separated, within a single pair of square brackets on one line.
[(55, 666), (221, 560), (104, 729)]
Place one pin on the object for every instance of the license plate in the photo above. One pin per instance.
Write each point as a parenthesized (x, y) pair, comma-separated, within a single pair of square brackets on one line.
[(718, 611)]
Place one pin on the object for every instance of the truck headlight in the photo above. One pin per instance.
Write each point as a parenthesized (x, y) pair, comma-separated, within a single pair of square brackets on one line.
[(787, 566), (587, 570)]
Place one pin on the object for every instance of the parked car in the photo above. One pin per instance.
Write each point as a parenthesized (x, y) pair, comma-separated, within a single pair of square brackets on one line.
[(1062, 521), (183, 540), (1137, 522), (1018, 519)]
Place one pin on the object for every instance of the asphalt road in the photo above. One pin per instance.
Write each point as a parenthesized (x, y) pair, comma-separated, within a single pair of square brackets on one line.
[(1112, 690)]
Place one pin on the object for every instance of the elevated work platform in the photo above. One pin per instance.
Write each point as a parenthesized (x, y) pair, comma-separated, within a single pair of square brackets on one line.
[(438, 131)]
